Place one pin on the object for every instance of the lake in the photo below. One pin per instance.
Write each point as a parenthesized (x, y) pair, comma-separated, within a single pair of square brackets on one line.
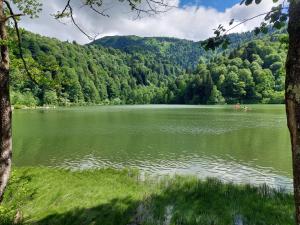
[(216, 141)]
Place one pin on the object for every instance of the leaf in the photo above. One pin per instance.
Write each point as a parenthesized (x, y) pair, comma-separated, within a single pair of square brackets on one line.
[(226, 43), (275, 16), (248, 2), (278, 25), (283, 17), (258, 1), (217, 33), (264, 30), (257, 30), (231, 22), (268, 16)]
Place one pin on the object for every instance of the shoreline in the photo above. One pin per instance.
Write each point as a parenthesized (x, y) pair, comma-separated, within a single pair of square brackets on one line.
[(17, 107)]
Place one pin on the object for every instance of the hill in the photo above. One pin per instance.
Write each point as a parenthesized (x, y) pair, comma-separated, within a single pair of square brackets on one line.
[(136, 70), (180, 52)]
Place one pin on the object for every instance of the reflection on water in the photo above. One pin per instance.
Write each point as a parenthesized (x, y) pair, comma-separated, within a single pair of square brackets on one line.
[(215, 141)]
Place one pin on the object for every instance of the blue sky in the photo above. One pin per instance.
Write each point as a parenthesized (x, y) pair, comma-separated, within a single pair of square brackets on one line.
[(220, 5)]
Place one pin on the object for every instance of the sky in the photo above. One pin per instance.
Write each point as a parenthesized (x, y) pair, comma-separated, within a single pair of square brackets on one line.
[(189, 19), (220, 5)]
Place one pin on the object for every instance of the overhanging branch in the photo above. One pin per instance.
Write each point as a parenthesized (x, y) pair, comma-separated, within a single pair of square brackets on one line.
[(14, 17), (152, 7), (251, 18)]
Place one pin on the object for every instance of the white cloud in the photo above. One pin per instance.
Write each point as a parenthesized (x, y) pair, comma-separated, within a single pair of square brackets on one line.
[(191, 22)]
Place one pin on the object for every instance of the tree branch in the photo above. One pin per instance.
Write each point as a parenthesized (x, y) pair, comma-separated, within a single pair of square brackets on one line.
[(14, 16), (153, 7), (64, 13), (249, 19), (78, 27), (19, 41)]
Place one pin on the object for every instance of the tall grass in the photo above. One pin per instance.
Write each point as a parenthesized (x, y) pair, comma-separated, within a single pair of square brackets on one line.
[(112, 197)]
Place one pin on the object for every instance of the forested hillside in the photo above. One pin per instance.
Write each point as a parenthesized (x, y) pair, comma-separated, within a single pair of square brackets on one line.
[(133, 70), (184, 53)]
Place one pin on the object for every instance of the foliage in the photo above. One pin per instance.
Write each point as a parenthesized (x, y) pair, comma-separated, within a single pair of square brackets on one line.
[(18, 193), (276, 18), (28, 7), (133, 70)]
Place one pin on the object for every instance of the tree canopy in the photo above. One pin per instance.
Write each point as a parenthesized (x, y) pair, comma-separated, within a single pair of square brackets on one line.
[(149, 70)]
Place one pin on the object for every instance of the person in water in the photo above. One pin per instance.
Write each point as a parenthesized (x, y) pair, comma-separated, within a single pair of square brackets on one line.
[(237, 106)]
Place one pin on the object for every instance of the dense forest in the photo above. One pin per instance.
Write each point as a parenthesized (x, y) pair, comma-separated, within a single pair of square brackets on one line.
[(135, 70)]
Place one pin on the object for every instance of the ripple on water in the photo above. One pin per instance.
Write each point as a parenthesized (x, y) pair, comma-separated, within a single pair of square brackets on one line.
[(138, 137), (195, 130), (227, 170), (217, 126)]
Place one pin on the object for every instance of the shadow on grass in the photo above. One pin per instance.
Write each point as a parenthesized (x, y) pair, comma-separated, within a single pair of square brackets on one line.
[(115, 212), (188, 202)]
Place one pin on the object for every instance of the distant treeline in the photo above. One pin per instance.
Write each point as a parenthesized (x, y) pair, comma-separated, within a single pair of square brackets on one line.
[(133, 70)]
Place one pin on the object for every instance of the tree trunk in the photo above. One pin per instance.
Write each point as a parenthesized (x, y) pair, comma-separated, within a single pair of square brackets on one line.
[(292, 96), (5, 108)]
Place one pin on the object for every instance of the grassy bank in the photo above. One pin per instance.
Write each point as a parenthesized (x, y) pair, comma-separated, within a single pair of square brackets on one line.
[(110, 197)]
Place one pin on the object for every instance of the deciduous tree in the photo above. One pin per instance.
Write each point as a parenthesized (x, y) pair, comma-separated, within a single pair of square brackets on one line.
[(286, 10), (32, 8)]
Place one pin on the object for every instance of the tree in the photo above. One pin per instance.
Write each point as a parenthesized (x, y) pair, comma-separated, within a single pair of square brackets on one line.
[(216, 96), (277, 17), (5, 108), (32, 8), (292, 95)]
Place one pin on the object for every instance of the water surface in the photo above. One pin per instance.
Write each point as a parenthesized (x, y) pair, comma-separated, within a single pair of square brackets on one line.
[(218, 141)]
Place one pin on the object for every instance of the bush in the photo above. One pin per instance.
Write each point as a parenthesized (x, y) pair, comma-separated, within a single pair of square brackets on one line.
[(6, 215), (63, 101), (50, 98), (116, 101), (16, 195), (277, 98), (25, 99)]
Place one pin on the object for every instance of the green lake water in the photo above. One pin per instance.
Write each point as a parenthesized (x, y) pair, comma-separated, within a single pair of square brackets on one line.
[(215, 141)]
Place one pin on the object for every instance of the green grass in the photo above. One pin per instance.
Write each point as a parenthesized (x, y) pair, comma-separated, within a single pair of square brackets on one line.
[(112, 197)]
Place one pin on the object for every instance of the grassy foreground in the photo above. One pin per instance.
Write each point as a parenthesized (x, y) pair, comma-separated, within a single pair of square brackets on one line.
[(111, 197)]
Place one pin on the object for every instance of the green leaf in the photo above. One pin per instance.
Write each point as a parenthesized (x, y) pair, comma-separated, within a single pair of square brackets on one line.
[(278, 25), (257, 30), (283, 17), (248, 2), (264, 30)]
